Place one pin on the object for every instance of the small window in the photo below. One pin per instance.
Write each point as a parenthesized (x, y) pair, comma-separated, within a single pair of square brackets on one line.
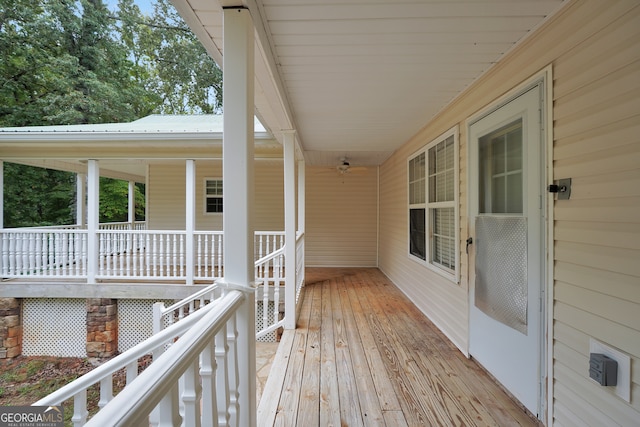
[(433, 205), (213, 196)]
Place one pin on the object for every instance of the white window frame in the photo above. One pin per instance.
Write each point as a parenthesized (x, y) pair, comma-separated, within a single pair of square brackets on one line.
[(452, 274), (207, 196)]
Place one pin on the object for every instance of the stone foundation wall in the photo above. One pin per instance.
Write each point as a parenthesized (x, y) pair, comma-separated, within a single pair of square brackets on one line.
[(102, 327), (10, 328)]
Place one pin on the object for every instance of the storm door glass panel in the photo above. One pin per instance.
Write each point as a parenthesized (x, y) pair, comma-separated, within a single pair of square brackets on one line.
[(501, 171)]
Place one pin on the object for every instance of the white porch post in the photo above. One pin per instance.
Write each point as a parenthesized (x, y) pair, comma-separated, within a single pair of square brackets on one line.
[(301, 196), (289, 228), (81, 200), (190, 219), (131, 208), (93, 218), (238, 190)]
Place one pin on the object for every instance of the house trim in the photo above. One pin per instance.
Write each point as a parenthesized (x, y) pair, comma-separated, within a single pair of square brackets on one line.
[(442, 271), (543, 77)]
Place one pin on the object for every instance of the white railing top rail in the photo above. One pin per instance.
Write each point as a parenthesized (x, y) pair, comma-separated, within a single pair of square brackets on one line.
[(209, 290), (45, 229), (102, 225), (121, 361), (272, 255), (132, 406)]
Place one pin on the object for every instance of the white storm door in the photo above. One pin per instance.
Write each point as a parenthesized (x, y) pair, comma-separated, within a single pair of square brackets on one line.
[(506, 218)]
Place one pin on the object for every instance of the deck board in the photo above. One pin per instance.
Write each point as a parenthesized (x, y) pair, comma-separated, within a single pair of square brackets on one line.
[(363, 355)]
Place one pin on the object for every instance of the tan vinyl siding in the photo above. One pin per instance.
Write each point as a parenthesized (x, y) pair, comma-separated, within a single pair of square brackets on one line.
[(166, 196), (594, 50), (166, 199), (341, 218), (597, 232), (269, 195), (440, 298)]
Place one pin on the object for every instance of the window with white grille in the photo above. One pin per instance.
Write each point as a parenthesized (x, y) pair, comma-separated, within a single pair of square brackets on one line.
[(433, 204), (213, 195)]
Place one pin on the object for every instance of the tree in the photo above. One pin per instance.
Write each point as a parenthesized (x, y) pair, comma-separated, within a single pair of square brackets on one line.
[(75, 62), (63, 64), (114, 200), (178, 67), (24, 203)]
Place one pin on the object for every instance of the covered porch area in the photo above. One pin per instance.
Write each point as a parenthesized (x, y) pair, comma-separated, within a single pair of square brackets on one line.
[(363, 354)]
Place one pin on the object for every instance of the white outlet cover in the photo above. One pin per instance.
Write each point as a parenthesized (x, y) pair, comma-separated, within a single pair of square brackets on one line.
[(623, 389)]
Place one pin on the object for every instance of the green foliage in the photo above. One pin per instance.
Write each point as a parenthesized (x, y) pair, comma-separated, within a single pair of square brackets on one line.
[(62, 63), (114, 200), (37, 197), (75, 62), (176, 65)]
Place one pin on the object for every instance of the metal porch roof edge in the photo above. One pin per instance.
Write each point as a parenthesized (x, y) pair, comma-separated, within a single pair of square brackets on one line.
[(156, 126)]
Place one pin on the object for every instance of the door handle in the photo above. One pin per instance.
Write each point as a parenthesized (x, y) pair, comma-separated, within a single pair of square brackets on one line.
[(469, 242)]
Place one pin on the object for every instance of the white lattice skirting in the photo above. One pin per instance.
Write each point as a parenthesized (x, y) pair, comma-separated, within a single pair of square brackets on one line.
[(54, 327), (57, 326), (135, 321)]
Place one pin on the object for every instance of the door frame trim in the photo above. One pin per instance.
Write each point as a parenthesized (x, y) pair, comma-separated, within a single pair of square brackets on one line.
[(543, 77)]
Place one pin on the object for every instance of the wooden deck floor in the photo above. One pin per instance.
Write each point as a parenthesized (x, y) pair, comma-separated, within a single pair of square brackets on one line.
[(363, 355)]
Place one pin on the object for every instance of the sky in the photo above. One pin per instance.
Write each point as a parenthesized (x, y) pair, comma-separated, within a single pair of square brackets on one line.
[(146, 6)]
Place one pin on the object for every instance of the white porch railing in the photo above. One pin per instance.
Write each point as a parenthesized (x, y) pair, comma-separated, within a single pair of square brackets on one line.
[(300, 241), (54, 253), (270, 292), (194, 380), (203, 360), (124, 254)]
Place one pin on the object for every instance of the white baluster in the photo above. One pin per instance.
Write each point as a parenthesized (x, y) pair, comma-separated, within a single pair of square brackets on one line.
[(265, 299), (156, 263), (209, 392), (147, 250), (131, 371), (106, 392), (18, 252), (168, 411), (191, 394), (80, 412), (32, 255), (64, 262), (234, 374), (276, 290), (122, 250), (222, 377), (85, 253), (102, 261), (5, 253), (198, 272), (220, 238), (133, 266)]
